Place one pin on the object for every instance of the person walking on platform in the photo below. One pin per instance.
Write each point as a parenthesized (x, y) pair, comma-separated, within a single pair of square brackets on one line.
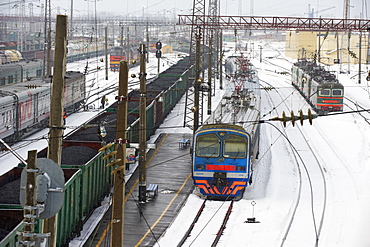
[(103, 101), (64, 117)]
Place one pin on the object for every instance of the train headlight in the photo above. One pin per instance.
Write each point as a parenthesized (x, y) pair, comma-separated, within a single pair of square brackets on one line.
[(240, 168), (199, 167)]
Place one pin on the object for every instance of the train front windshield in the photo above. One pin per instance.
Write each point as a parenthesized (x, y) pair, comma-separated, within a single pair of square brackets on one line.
[(235, 146), (209, 145)]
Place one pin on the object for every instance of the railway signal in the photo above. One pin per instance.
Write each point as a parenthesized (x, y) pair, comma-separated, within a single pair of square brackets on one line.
[(158, 46), (158, 53), (293, 118)]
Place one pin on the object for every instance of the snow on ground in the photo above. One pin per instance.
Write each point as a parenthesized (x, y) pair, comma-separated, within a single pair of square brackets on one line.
[(340, 142), (341, 145)]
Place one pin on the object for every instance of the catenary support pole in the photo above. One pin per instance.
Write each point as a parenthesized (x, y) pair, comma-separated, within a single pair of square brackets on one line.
[(196, 107), (359, 57), (142, 124), (221, 57), (56, 111), (106, 53), (210, 71), (118, 205)]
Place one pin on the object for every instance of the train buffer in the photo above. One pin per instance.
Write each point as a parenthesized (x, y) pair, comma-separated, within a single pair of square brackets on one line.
[(152, 191), (184, 143)]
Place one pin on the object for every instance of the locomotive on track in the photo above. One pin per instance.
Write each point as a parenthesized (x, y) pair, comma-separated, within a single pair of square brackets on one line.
[(226, 145), (119, 53), (26, 105), (319, 87)]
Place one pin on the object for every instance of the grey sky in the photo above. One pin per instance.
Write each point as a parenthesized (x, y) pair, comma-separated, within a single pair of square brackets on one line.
[(170, 8)]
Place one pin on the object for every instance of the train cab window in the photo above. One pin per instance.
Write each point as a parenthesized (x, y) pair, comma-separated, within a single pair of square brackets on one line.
[(235, 146), (337, 92), (324, 92), (207, 146)]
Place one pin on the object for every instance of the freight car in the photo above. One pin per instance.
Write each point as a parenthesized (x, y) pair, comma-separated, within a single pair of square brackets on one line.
[(225, 147), (319, 87), (87, 178), (26, 105), (87, 183)]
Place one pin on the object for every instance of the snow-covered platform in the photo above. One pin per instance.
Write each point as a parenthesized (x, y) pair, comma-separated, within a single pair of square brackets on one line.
[(169, 167)]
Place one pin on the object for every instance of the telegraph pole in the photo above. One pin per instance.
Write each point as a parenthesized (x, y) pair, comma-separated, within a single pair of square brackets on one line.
[(106, 53), (260, 53), (121, 41), (48, 50), (30, 201), (56, 111), (128, 57), (147, 40), (210, 70), (118, 205), (142, 124), (221, 57), (359, 58), (71, 23)]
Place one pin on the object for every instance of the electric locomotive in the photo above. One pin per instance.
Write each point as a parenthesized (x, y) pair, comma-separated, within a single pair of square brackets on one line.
[(319, 87), (225, 146), (119, 53)]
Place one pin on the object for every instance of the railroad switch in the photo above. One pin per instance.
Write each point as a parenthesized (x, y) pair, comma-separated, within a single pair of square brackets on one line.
[(251, 220)]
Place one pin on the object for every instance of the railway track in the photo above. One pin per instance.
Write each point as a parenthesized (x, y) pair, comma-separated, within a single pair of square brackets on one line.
[(22, 144), (311, 196), (207, 222), (357, 107), (92, 98)]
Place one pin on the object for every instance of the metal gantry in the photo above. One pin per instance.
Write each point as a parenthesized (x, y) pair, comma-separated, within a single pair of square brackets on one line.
[(278, 23), (213, 23)]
